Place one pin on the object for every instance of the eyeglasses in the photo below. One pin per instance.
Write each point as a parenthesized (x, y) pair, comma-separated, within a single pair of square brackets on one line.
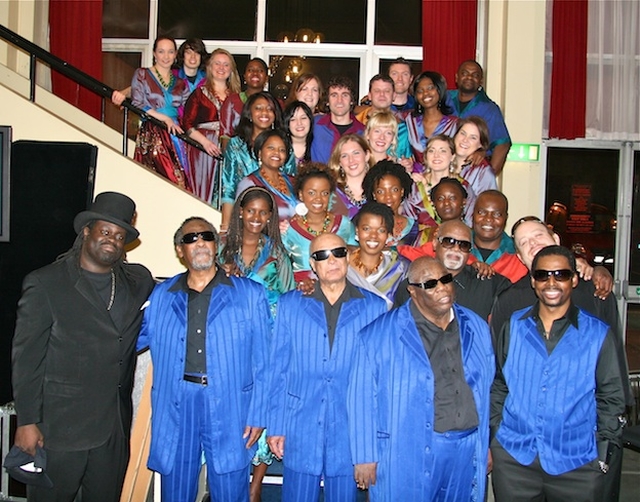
[(192, 237), (322, 255), (523, 220), (450, 242), (559, 275), (432, 283)]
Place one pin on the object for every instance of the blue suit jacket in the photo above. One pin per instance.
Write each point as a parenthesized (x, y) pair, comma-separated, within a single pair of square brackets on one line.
[(308, 398), (390, 401), (238, 330)]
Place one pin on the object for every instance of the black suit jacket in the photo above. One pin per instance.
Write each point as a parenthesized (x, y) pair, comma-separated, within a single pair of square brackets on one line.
[(72, 367)]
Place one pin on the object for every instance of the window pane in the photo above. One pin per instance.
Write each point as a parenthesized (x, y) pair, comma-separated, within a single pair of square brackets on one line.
[(117, 71), (399, 23), (633, 337), (208, 19), (325, 68), (339, 21), (634, 262), (125, 18), (582, 189)]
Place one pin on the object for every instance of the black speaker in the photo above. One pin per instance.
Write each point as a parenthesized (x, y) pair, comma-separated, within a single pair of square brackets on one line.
[(50, 183)]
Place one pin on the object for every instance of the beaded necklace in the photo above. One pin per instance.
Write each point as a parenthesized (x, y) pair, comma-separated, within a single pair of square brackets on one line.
[(161, 80), (280, 185), (366, 271), (325, 226)]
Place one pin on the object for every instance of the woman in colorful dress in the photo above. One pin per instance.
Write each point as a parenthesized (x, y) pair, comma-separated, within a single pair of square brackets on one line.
[(372, 265), (261, 112), (253, 249), (307, 88), (473, 138), (432, 116), (298, 121), (201, 121), (255, 75), (350, 161), (314, 186), (389, 183), (158, 92), (272, 149)]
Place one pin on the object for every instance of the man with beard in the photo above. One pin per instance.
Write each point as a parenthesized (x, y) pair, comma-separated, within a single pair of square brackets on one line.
[(558, 397), (208, 336), (74, 356), (419, 392), (530, 235), (452, 248)]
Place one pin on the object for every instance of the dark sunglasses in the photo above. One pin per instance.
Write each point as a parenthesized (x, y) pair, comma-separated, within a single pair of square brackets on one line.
[(432, 283), (322, 255), (559, 275), (523, 220), (450, 242), (192, 237)]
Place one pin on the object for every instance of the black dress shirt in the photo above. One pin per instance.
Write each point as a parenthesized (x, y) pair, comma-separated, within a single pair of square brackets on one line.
[(454, 404), (332, 312)]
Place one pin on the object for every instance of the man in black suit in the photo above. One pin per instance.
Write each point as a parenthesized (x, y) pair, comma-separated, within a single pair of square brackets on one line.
[(74, 356)]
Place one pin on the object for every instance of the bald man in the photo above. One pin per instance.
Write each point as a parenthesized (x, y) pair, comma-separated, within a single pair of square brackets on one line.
[(419, 391), (313, 345), (453, 247)]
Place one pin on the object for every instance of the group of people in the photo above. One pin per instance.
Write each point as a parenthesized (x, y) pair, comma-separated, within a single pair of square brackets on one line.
[(413, 401), (362, 315)]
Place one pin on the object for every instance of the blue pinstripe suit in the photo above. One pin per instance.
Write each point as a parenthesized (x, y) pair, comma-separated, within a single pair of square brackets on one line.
[(390, 404), (309, 382), (237, 345)]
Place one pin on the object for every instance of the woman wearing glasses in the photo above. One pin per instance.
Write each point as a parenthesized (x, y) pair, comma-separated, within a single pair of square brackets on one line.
[(314, 186), (372, 265)]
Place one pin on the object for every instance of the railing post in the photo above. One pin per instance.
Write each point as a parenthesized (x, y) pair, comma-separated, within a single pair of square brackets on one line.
[(32, 78), (125, 132)]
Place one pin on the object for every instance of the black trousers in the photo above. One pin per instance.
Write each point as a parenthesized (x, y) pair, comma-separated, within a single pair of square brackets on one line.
[(514, 482), (98, 473)]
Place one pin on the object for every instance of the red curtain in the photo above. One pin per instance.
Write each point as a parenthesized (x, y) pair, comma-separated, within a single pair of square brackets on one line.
[(567, 114), (75, 32), (449, 31)]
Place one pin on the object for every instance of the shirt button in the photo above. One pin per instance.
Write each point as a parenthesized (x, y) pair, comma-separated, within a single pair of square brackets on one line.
[(199, 351), (199, 311), (198, 331)]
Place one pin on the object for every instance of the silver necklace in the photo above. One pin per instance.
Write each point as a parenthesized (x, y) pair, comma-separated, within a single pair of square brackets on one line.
[(113, 290)]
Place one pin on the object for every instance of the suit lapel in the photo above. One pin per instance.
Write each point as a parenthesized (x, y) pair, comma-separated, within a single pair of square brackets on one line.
[(315, 311), (409, 334), (220, 298)]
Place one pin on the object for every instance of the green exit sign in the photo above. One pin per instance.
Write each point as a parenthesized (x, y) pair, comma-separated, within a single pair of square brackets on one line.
[(524, 152)]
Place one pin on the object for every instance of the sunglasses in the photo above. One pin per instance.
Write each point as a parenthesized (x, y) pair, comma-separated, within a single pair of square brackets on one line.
[(192, 237), (522, 220), (450, 242), (559, 275), (322, 255), (432, 283)]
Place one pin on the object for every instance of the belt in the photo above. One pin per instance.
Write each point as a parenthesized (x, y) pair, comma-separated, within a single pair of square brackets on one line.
[(201, 379)]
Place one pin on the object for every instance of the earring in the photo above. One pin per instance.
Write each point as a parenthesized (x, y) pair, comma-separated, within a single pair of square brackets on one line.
[(452, 168), (427, 170), (260, 162), (341, 172)]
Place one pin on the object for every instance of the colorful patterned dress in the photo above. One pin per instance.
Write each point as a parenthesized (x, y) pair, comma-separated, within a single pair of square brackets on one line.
[(385, 281)]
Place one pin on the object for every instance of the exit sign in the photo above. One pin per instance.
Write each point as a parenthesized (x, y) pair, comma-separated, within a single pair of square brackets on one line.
[(524, 152)]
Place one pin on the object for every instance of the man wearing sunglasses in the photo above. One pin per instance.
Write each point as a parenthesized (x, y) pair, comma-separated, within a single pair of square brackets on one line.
[(209, 337), (530, 235), (452, 248), (312, 350), (419, 392), (557, 398)]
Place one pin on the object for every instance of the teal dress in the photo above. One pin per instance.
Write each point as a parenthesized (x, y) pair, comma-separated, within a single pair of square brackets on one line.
[(274, 272)]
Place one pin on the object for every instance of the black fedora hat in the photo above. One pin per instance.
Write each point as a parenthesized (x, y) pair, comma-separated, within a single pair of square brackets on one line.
[(113, 207), (28, 469)]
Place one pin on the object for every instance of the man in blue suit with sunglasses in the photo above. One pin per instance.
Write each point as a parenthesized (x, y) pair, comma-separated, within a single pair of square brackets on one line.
[(208, 335)]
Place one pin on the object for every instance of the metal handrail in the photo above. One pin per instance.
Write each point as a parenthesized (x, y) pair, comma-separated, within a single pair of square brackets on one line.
[(85, 80)]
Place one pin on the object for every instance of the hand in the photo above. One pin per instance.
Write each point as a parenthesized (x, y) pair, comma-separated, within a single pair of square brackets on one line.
[(585, 271), (211, 148), (365, 474), (418, 178), (602, 281), (306, 286), (117, 98), (27, 437), (475, 158), (483, 270), (253, 433), (172, 126), (276, 444), (284, 226), (407, 163), (232, 269), (489, 462)]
